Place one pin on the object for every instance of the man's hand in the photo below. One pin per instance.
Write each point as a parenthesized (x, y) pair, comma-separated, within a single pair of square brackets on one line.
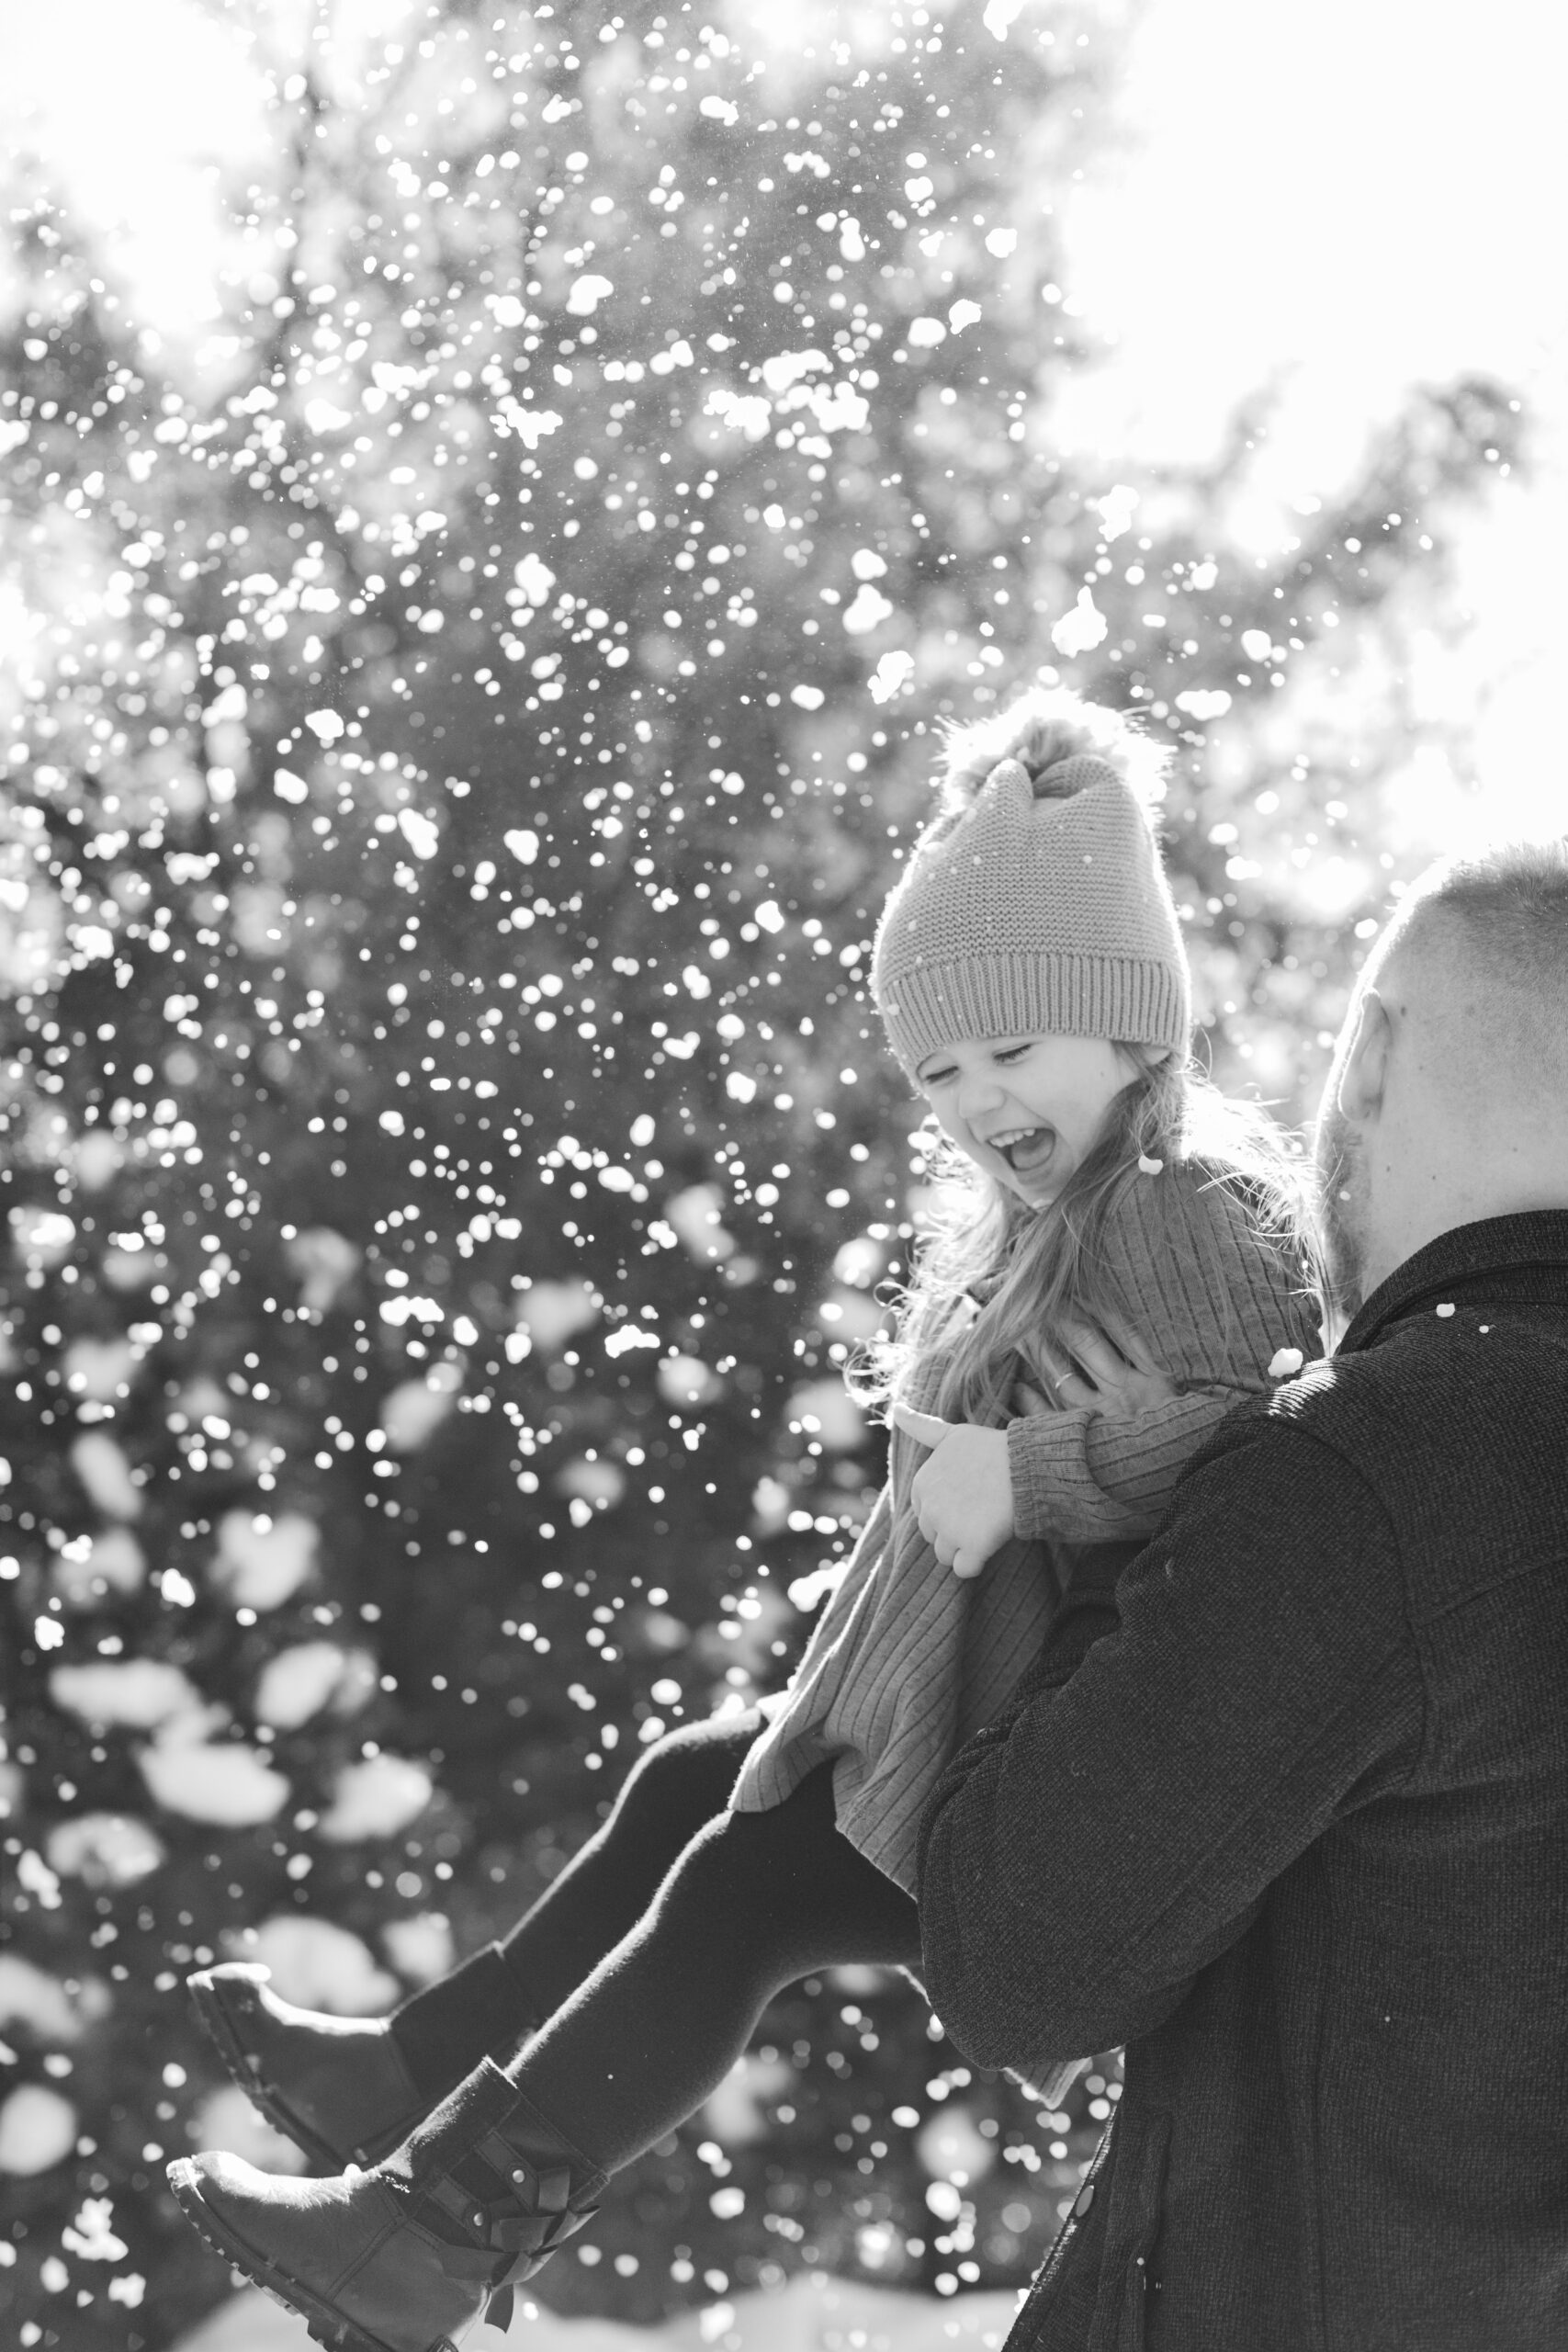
[(963, 1496), (1102, 1376)]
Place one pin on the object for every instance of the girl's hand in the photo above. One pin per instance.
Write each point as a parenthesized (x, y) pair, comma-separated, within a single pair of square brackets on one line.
[(1120, 1381), (963, 1495)]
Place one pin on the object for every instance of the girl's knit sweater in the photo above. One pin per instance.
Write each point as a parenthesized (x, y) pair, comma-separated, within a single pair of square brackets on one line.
[(907, 1659)]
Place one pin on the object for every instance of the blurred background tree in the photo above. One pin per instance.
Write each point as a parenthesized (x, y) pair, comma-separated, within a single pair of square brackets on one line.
[(461, 723)]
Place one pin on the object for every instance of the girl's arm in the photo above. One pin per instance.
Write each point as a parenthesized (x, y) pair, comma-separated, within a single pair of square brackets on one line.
[(963, 1492), (1090, 1478), (1199, 1295), (1209, 1301)]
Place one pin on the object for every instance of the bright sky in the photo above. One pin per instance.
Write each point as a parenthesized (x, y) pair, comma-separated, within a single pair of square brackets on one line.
[(130, 105), (1342, 201), (1361, 191), (1346, 201)]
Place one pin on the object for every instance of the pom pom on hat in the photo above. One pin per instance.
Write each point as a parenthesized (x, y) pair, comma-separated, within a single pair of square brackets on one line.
[(1036, 902), (1046, 728)]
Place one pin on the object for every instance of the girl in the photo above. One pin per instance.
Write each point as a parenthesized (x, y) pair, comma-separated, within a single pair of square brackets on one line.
[(1030, 974)]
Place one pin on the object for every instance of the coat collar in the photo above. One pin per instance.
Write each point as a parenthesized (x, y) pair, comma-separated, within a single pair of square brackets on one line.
[(1522, 1257)]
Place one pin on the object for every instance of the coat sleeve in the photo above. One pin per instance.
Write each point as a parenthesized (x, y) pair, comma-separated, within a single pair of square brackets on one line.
[(1117, 1828), (1214, 1303)]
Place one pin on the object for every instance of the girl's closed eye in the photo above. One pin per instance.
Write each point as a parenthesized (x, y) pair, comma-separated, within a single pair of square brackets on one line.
[(943, 1073)]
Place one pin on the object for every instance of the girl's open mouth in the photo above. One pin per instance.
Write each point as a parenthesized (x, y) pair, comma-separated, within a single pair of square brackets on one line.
[(1030, 1150)]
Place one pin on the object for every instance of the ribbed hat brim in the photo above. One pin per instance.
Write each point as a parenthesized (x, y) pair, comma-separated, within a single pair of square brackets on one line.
[(1133, 999)]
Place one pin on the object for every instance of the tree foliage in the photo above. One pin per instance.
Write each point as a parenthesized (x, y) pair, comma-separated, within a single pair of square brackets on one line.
[(459, 744)]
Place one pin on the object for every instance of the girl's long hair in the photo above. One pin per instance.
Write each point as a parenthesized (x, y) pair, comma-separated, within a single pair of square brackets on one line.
[(998, 1285)]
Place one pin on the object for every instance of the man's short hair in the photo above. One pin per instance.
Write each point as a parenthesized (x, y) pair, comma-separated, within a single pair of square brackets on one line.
[(1511, 900), (1491, 927)]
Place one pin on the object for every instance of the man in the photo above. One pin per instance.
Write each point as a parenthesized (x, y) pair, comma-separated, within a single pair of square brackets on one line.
[(1290, 1818)]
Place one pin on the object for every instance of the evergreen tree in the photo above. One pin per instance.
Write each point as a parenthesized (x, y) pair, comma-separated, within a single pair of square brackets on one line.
[(473, 716)]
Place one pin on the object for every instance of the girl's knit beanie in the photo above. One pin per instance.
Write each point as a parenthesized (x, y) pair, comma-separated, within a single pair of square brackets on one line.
[(1035, 901)]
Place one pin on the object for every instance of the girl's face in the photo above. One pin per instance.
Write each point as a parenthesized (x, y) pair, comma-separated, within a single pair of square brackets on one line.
[(1027, 1110)]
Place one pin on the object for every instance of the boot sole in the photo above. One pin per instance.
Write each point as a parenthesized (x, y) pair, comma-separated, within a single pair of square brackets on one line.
[(209, 2003), (325, 2327)]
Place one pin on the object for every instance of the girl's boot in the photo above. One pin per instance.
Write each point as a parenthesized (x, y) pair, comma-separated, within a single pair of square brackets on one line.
[(347, 2089), (406, 2257)]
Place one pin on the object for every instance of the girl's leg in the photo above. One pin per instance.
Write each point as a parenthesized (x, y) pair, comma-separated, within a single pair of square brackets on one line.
[(757, 1900), (407, 2253), (675, 1789), (350, 2087)]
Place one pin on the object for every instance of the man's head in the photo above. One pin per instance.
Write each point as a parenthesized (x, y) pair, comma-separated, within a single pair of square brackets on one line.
[(1448, 1102)]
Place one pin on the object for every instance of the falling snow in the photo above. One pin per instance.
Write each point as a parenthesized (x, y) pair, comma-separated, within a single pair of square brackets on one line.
[(470, 678)]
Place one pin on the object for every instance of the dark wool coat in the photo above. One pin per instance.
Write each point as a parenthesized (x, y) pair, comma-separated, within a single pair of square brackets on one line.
[(1294, 1829)]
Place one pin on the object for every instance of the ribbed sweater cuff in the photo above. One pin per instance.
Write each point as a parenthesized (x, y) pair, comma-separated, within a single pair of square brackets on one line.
[(1034, 1491)]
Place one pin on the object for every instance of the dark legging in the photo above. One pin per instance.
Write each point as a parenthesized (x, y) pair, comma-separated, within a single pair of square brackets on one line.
[(657, 1949)]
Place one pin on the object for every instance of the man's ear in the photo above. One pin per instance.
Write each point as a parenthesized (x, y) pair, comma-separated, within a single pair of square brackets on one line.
[(1363, 1075)]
